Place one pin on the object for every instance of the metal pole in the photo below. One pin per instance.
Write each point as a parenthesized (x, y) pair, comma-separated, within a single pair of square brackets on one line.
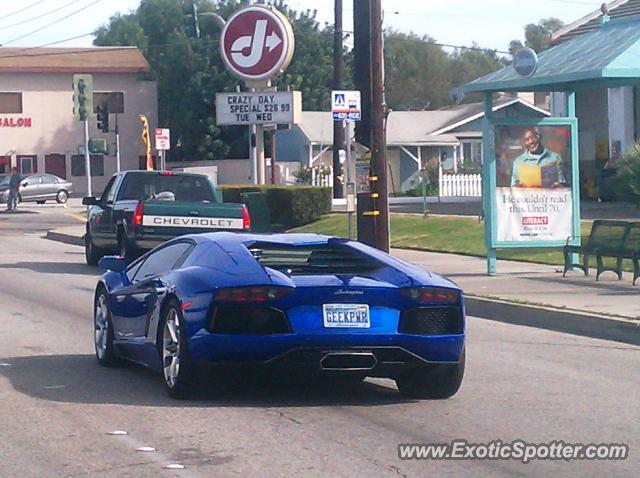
[(272, 134), (253, 156), (347, 166), (338, 74), (378, 139), (87, 158), (260, 154), (117, 146)]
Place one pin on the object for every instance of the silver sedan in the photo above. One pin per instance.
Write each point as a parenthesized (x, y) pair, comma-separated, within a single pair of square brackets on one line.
[(39, 188)]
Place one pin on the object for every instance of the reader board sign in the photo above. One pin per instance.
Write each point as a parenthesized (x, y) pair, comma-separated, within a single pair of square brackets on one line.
[(345, 105), (279, 107)]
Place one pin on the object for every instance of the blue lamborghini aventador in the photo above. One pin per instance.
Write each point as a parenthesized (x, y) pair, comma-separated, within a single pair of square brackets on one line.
[(321, 304)]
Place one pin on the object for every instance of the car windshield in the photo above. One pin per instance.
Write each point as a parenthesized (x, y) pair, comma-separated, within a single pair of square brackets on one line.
[(163, 187)]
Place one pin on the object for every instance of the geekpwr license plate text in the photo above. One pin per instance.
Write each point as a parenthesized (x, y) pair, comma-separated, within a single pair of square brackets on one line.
[(346, 315)]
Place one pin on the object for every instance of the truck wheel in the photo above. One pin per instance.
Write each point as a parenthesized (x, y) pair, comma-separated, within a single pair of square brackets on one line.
[(125, 249), (436, 382), (92, 253)]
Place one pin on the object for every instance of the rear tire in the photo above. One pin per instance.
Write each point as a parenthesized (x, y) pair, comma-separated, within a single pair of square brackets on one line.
[(62, 196), (125, 249), (435, 382), (103, 330), (92, 253), (177, 370)]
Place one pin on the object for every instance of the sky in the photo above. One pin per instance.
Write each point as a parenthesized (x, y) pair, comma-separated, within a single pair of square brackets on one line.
[(488, 23)]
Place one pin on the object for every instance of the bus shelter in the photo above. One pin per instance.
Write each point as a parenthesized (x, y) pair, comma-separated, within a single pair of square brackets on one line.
[(531, 193)]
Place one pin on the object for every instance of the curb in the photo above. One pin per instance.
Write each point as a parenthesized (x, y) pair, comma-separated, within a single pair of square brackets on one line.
[(569, 322), (583, 324), (65, 238)]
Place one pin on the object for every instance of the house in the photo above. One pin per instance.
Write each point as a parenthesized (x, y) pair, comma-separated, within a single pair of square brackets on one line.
[(39, 132), (451, 136)]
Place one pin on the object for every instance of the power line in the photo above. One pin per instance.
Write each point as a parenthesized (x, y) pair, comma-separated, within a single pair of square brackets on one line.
[(52, 23), (28, 20), (22, 9)]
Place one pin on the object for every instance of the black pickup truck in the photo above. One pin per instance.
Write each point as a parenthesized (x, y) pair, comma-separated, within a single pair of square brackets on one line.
[(139, 210)]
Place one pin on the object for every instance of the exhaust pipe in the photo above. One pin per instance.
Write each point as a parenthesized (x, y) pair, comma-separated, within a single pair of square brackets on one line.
[(348, 361)]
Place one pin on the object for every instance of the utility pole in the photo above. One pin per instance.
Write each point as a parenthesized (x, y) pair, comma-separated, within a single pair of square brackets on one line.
[(362, 79), (379, 164), (338, 74)]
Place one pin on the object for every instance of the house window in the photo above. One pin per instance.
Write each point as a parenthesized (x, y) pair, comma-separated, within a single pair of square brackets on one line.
[(78, 165), (470, 152), (10, 103), (113, 99)]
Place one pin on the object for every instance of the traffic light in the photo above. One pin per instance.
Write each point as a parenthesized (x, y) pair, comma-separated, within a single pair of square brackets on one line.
[(103, 118), (82, 97)]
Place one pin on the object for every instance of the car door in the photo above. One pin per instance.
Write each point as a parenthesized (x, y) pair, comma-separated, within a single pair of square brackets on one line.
[(102, 218), (49, 187), (28, 187), (136, 304)]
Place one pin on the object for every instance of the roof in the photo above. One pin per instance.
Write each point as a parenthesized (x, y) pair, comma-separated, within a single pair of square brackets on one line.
[(590, 22), (411, 128), (73, 60), (595, 59)]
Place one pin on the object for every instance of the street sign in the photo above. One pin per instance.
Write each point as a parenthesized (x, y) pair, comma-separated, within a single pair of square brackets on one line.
[(525, 62), (257, 43), (345, 105), (281, 107), (163, 139)]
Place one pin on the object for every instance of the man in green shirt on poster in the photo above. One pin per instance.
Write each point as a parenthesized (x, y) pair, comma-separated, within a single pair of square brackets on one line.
[(537, 166)]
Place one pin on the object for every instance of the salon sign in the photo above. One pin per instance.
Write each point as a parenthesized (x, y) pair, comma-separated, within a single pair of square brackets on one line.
[(15, 122)]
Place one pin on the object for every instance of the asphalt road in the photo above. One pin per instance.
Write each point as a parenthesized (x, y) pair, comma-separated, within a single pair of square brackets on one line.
[(57, 405)]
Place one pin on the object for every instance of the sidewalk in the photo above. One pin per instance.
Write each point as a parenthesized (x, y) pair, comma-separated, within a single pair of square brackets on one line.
[(521, 293)]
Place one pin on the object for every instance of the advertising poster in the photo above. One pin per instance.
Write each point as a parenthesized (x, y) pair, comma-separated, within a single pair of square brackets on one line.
[(533, 183)]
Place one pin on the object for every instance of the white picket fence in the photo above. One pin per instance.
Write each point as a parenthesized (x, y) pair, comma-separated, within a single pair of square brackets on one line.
[(322, 177), (460, 185)]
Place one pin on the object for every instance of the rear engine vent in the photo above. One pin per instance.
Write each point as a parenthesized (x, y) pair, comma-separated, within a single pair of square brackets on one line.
[(247, 320), (431, 321), (312, 259)]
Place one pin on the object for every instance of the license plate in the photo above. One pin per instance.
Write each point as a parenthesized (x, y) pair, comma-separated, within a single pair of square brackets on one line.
[(346, 315)]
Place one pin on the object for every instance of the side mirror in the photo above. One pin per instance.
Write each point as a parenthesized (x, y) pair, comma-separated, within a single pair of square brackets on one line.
[(24, 185), (90, 201), (113, 263)]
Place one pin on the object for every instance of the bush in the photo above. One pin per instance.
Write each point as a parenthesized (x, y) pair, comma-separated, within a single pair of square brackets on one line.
[(290, 206), (628, 173)]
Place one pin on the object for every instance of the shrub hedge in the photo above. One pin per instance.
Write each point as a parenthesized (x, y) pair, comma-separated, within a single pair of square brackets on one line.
[(290, 206)]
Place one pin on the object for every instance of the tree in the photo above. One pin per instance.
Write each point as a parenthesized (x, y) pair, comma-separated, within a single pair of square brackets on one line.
[(415, 72), (189, 70), (537, 35)]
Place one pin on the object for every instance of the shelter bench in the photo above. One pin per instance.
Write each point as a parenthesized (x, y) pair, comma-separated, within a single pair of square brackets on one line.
[(608, 239)]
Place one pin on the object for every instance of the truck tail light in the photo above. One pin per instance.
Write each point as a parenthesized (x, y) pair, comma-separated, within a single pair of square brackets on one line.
[(432, 295), (246, 219), (138, 214), (251, 294)]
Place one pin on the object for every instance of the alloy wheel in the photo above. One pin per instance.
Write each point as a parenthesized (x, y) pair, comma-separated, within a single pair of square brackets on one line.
[(171, 348), (101, 326)]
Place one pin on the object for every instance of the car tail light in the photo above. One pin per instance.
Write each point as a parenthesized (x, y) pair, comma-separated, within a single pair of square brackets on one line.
[(432, 295), (138, 214), (166, 173), (251, 294), (246, 219)]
